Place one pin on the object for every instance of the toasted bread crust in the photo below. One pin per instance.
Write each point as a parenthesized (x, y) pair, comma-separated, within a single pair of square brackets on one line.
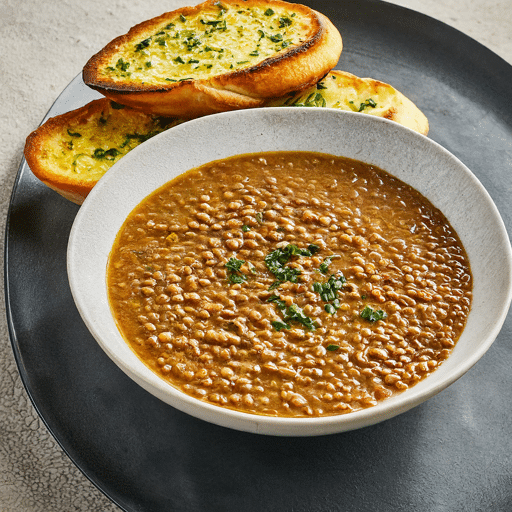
[(346, 91), (315, 51), (72, 151)]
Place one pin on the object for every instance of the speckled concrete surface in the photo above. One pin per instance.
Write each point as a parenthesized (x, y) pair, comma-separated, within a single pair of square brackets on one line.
[(52, 41)]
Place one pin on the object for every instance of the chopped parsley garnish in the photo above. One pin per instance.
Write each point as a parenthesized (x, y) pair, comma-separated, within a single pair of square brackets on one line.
[(237, 278), (276, 263), (373, 315), (324, 266), (279, 325), (291, 313), (332, 348), (329, 292), (269, 12), (259, 217), (74, 134), (233, 265), (245, 228), (182, 18), (331, 308)]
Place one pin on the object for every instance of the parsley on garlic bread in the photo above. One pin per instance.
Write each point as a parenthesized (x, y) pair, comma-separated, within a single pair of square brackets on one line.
[(71, 152), (346, 91), (216, 56)]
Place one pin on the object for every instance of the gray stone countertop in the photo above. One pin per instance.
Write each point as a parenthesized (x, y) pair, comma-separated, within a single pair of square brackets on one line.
[(44, 46)]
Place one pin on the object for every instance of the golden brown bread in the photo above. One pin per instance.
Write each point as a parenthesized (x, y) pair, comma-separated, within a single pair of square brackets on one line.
[(216, 56), (71, 152), (345, 91)]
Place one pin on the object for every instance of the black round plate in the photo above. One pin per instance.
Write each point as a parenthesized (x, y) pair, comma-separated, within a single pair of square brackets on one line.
[(450, 454)]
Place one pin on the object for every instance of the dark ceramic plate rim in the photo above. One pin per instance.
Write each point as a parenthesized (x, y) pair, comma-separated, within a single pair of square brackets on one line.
[(488, 63)]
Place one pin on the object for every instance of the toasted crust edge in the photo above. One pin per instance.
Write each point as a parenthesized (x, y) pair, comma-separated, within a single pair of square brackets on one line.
[(294, 69), (74, 190)]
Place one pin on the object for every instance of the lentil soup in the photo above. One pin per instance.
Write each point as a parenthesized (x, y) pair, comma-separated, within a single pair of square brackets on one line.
[(289, 284)]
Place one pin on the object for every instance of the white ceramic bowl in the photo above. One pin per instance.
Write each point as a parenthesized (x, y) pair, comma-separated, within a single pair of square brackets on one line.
[(413, 158)]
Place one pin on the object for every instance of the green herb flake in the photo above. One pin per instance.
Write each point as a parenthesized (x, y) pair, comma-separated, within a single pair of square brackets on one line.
[(233, 266), (109, 154), (237, 278), (245, 228), (182, 18), (295, 313), (143, 44), (74, 134), (259, 217), (372, 315), (122, 65), (324, 266), (292, 313), (328, 292), (279, 325), (284, 22), (277, 259), (269, 12), (332, 348), (368, 103)]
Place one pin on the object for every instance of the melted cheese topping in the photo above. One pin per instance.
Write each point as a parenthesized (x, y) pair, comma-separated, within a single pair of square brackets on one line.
[(88, 149), (213, 42)]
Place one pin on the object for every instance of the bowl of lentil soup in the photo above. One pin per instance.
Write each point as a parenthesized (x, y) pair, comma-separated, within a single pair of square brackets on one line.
[(290, 281)]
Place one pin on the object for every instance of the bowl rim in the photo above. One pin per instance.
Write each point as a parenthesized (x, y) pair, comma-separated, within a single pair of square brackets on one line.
[(104, 195)]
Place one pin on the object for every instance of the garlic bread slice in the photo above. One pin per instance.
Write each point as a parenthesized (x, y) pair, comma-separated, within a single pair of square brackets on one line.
[(217, 56), (71, 152), (346, 91)]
